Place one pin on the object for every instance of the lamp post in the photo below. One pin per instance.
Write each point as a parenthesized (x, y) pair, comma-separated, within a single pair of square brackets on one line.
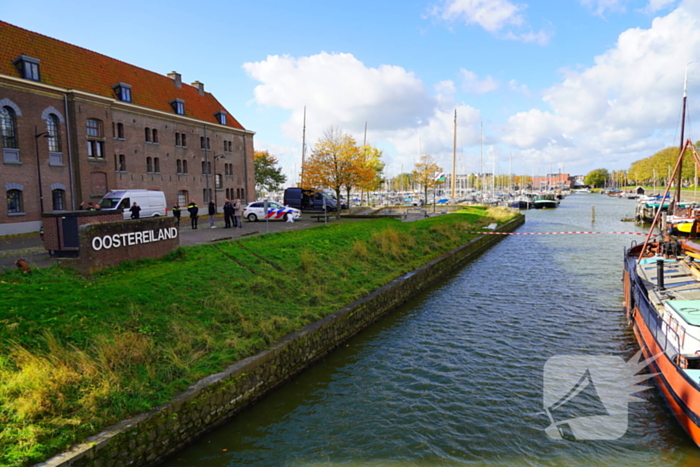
[(215, 175), (44, 134)]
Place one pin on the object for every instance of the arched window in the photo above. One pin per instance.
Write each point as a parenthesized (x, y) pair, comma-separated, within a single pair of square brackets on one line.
[(218, 181), (148, 135), (14, 201), (53, 137), (155, 135), (184, 166), (7, 126), (120, 130), (156, 165), (149, 165), (59, 199), (95, 143), (179, 166), (122, 163), (182, 198), (184, 140)]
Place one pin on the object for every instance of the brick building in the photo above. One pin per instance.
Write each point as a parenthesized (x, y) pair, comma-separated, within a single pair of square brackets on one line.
[(75, 124)]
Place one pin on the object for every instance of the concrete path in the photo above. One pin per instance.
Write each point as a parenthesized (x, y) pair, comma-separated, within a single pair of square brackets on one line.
[(31, 248)]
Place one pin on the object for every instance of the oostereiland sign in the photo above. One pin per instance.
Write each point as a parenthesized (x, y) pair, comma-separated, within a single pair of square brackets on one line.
[(107, 244), (119, 240)]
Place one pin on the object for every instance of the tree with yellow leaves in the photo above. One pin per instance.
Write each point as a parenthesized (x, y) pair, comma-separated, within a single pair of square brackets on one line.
[(424, 174), (336, 162)]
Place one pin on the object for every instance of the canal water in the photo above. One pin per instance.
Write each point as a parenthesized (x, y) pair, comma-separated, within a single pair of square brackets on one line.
[(455, 377)]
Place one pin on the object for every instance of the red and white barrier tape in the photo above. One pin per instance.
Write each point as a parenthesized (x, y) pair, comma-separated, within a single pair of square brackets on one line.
[(553, 233)]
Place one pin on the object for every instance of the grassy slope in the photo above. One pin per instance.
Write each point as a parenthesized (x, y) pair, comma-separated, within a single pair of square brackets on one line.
[(77, 355)]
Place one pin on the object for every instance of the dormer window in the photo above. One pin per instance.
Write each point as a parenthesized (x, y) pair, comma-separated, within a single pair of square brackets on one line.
[(178, 106), (123, 92), (28, 67), (221, 117)]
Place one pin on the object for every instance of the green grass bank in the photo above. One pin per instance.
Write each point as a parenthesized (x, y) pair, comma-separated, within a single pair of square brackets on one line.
[(77, 355)]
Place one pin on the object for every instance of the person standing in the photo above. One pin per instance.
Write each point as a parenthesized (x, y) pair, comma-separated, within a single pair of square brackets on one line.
[(135, 210), (212, 213), (177, 212), (228, 214), (237, 213), (194, 213)]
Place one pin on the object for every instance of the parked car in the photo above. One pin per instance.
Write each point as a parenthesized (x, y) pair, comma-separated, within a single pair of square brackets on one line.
[(152, 202), (309, 200), (275, 211)]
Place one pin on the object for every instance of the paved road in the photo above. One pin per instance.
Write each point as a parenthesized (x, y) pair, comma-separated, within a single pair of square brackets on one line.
[(31, 248)]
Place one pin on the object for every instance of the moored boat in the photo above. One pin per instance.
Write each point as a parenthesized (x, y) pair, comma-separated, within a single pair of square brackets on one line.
[(662, 302), (546, 201)]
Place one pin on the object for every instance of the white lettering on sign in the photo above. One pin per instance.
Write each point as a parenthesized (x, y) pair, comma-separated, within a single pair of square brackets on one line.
[(133, 238)]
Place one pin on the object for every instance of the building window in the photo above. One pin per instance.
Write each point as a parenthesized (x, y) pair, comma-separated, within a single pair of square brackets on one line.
[(184, 167), (28, 67), (120, 130), (218, 181), (208, 146), (156, 165), (182, 198), (121, 163), (7, 125), (201, 142), (148, 135), (206, 168), (179, 167), (155, 135), (59, 197), (123, 92), (184, 140), (177, 139), (221, 117), (178, 106), (14, 201), (149, 165), (54, 135), (94, 128), (96, 149), (206, 195)]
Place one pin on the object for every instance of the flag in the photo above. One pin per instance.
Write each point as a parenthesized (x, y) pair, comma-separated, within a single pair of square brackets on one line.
[(440, 177)]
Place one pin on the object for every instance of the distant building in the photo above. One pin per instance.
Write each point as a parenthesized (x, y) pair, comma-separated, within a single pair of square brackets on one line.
[(75, 124), (551, 182)]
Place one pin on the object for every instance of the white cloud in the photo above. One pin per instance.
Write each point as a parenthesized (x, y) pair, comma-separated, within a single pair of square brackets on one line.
[(402, 114), (513, 85), (658, 5), (472, 84), (338, 89), (600, 7), (499, 17), (617, 107)]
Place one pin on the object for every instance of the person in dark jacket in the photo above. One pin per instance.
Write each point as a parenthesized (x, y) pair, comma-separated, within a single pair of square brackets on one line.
[(212, 213), (135, 210), (177, 212), (194, 213), (228, 214)]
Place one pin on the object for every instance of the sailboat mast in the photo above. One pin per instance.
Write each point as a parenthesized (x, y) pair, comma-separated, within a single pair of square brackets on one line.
[(680, 172), (303, 145)]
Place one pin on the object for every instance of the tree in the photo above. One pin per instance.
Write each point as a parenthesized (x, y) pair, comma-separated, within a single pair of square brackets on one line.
[(374, 164), (596, 178), (424, 173), (267, 176), (335, 162)]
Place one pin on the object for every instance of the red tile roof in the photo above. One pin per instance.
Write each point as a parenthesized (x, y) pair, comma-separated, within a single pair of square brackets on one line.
[(72, 67)]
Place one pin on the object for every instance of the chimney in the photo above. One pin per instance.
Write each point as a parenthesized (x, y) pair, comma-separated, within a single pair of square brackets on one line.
[(175, 76), (199, 86)]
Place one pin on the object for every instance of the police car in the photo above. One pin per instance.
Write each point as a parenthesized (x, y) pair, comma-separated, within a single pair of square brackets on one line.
[(256, 211)]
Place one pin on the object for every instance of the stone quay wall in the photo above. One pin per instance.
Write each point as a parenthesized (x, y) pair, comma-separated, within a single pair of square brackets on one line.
[(149, 438)]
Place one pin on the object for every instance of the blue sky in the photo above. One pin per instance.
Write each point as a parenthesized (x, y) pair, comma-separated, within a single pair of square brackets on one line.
[(556, 84)]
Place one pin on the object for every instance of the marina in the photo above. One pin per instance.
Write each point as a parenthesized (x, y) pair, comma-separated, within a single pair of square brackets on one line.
[(455, 376)]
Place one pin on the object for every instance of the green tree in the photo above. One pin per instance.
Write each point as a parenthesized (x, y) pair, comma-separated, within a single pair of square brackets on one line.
[(596, 178), (268, 177)]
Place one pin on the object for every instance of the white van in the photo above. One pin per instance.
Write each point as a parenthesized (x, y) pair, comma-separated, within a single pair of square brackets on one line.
[(152, 202)]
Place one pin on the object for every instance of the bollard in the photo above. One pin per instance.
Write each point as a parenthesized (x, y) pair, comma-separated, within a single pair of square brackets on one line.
[(592, 213), (660, 274)]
